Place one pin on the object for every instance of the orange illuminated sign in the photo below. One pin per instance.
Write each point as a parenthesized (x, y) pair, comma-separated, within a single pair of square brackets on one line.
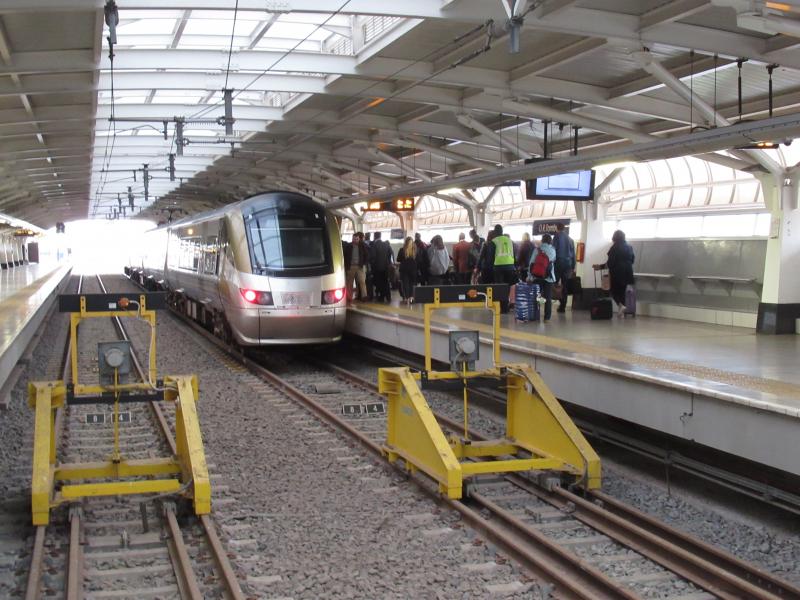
[(396, 205), (404, 203)]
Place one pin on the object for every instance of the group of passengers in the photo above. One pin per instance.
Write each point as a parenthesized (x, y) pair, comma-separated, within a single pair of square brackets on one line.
[(550, 263), (369, 264)]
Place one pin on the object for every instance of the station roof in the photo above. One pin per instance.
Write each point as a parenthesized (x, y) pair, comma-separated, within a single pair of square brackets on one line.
[(346, 98)]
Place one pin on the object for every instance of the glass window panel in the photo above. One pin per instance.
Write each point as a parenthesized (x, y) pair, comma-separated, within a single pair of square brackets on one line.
[(729, 225), (644, 177), (515, 231), (721, 194), (662, 172), (146, 27), (680, 227), (746, 192), (629, 206), (720, 173), (176, 99), (699, 171), (281, 241), (639, 228), (609, 227), (763, 222), (699, 196), (681, 197), (297, 31), (662, 200)]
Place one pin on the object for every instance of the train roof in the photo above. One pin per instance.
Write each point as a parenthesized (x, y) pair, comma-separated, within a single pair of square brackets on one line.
[(269, 198)]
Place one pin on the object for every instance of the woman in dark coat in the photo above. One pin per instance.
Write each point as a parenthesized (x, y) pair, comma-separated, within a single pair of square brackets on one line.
[(620, 267), (408, 260), (485, 261)]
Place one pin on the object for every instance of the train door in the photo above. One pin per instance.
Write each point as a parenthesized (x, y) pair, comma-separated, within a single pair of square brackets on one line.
[(223, 266)]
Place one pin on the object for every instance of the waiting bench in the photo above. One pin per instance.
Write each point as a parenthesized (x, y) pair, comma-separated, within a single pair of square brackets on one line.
[(727, 282), (656, 278)]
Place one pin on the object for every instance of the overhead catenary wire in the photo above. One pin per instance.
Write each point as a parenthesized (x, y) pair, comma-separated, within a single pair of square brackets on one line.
[(277, 61), (483, 26), (109, 154), (462, 60)]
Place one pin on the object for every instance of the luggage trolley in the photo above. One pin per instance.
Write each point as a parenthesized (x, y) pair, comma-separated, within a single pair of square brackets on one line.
[(184, 473), (539, 434)]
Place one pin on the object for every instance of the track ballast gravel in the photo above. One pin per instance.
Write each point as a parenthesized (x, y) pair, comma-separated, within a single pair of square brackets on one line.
[(774, 551), (306, 513)]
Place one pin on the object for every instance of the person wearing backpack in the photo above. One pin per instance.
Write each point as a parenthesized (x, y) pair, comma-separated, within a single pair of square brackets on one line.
[(438, 261), (542, 269)]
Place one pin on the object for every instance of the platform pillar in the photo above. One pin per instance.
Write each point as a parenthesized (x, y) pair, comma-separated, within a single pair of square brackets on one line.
[(780, 296), (592, 216)]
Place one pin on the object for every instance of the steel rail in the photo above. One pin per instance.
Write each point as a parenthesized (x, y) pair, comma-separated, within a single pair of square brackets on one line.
[(75, 559), (75, 564), (720, 476), (184, 573), (711, 554), (34, 584), (583, 576), (573, 576), (179, 556), (182, 563), (708, 567), (34, 581)]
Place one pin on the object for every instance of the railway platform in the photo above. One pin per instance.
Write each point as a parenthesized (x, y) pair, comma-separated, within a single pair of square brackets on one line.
[(723, 387), (26, 294)]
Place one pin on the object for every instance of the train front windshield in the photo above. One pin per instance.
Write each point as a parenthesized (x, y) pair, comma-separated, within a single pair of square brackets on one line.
[(292, 242)]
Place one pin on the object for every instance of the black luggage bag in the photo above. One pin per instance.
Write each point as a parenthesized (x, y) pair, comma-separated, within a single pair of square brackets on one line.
[(602, 308)]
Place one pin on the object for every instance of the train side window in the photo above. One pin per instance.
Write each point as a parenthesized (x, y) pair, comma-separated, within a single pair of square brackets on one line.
[(210, 253), (222, 246)]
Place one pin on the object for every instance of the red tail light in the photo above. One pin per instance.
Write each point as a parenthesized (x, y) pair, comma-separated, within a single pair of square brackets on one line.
[(333, 296), (256, 297)]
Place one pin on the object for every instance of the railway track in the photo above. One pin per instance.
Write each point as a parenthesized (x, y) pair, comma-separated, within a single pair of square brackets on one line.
[(134, 547), (747, 480), (589, 547)]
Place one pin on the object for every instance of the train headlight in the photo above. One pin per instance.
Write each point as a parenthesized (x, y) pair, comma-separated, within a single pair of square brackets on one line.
[(333, 296), (256, 297)]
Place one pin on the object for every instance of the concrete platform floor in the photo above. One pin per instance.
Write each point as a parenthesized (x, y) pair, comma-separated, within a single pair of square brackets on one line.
[(731, 355)]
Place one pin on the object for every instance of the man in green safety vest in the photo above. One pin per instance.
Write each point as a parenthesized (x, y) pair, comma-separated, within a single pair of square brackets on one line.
[(502, 253)]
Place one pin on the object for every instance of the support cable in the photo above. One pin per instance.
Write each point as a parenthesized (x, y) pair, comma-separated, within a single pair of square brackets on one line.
[(691, 90), (716, 57), (230, 47)]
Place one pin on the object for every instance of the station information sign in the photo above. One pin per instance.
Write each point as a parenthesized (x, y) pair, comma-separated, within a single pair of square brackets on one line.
[(395, 205)]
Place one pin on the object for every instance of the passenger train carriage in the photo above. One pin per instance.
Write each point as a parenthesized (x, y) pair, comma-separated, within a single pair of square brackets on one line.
[(266, 270)]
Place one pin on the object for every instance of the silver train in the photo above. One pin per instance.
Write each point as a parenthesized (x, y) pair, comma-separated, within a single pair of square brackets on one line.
[(266, 270)]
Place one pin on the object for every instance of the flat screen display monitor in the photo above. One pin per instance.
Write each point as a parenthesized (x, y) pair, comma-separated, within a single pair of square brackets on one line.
[(578, 185)]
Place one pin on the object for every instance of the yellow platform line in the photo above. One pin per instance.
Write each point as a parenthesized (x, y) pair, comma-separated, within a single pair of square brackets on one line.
[(749, 382)]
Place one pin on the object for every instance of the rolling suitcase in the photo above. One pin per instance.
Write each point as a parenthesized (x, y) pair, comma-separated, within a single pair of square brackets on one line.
[(526, 307), (630, 300), (602, 308)]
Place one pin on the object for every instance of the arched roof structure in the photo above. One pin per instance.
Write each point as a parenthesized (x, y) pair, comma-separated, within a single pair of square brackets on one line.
[(351, 98)]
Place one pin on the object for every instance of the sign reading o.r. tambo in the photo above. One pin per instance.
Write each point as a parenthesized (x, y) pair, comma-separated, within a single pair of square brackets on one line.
[(549, 226)]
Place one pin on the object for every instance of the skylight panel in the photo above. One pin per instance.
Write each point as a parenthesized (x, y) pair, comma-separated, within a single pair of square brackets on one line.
[(146, 27), (297, 31), (315, 18), (175, 97), (134, 14), (201, 133), (219, 27), (269, 43), (123, 97)]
